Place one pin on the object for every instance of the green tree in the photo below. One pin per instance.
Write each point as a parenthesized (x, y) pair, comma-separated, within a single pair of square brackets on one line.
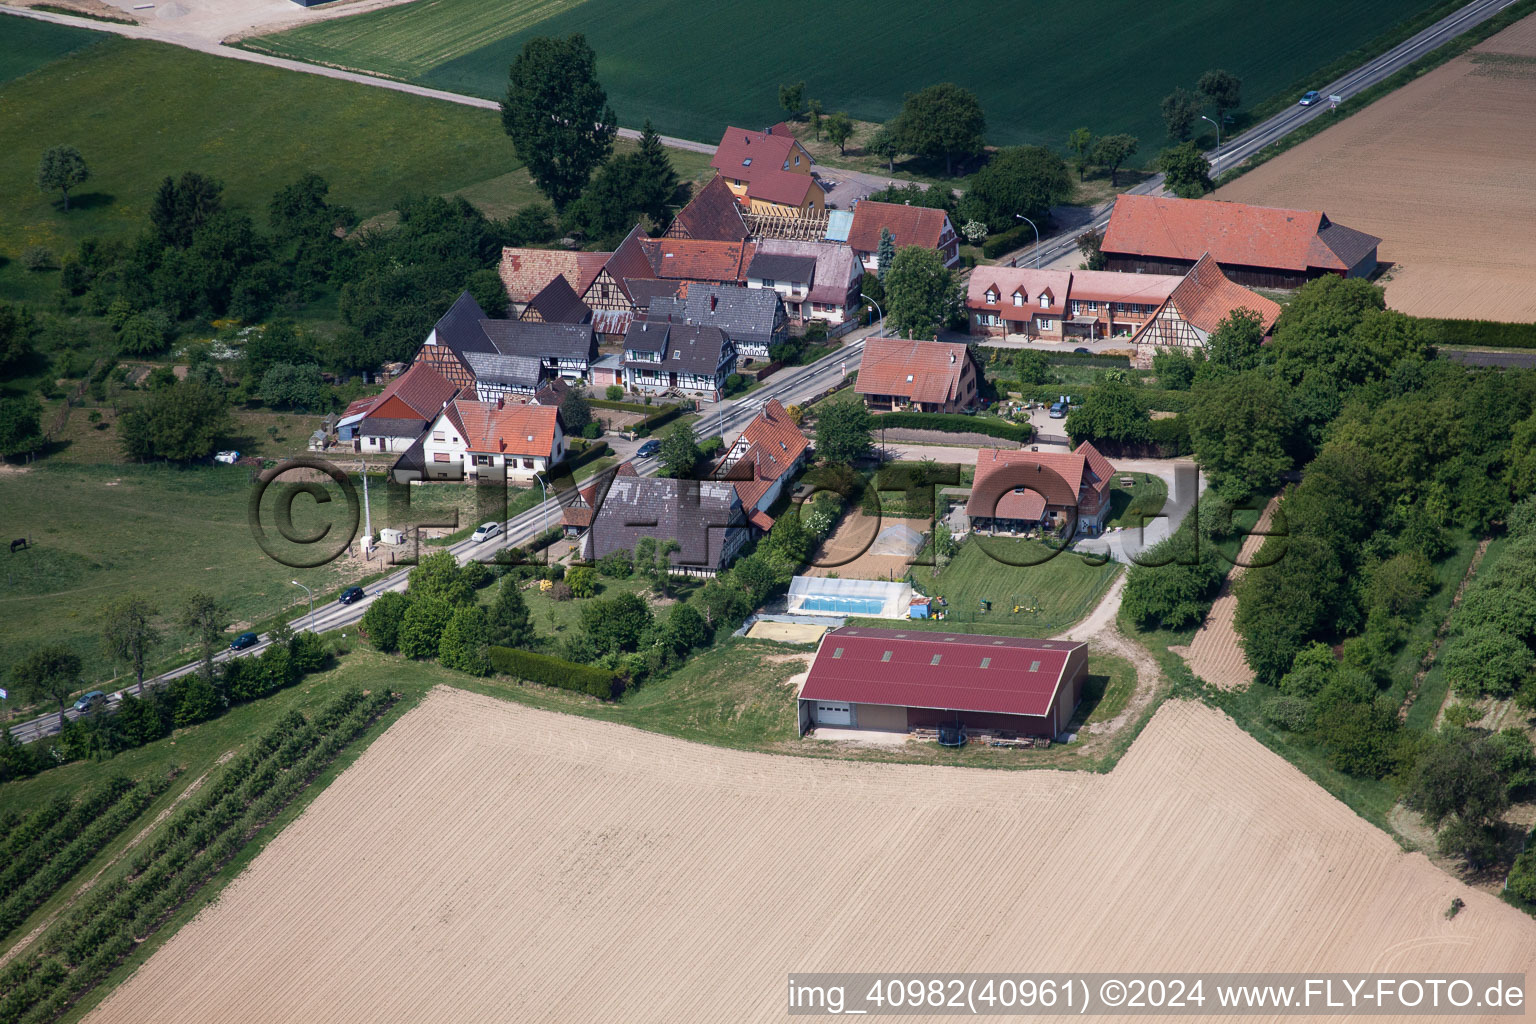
[(557, 115), (61, 169), (1235, 344), (1176, 369), (181, 423), (575, 411), (1240, 426), (50, 674), (381, 622), (922, 294), (620, 193), (1033, 367), (439, 576), (144, 333), (1223, 89), (1485, 659), (792, 98), (301, 211), (1025, 180), (813, 110), (509, 621), (15, 337), (843, 431), (839, 128), (285, 386), (679, 452), (687, 628), (943, 120), (182, 206), (1287, 605), (203, 617), (21, 429), (583, 581), (658, 175), (885, 254), (1112, 151), (464, 641), (1457, 776), (1186, 171), (196, 701), (1090, 245), (1080, 145), (1180, 109), (129, 633), (1173, 583), (1111, 412), (617, 623), (421, 629), (885, 144)]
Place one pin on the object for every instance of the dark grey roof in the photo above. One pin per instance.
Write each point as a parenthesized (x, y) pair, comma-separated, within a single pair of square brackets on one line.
[(644, 291), (774, 267), (744, 314), (552, 393), (558, 303), (1347, 244), (541, 340), (383, 426), (684, 348), (495, 368), (696, 514), (412, 462), (459, 328)]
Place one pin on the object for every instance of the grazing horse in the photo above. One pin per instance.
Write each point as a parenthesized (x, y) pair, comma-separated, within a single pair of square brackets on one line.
[(17, 544)]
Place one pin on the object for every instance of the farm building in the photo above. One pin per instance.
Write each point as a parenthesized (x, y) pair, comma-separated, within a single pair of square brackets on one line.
[(770, 171), (832, 595), (1257, 246), (1190, 314), (893, 680)]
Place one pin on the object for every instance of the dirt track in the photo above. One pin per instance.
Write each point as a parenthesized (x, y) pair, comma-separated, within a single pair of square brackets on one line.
[(485, 861), (1214, 653), (1444, 171)]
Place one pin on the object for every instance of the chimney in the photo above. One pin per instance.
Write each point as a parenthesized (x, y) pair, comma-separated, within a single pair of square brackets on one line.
[(951, 359), (501, 402)]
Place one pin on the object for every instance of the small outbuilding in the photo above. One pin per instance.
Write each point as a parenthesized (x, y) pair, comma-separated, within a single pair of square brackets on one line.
[(899, 680)]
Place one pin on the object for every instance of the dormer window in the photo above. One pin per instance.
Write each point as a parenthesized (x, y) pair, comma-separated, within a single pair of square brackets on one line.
[(1045, 300), (991, 295), (1019, 298)]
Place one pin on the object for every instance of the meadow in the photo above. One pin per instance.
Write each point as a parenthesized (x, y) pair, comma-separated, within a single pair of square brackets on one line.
[(1104, 65), (27, 45)]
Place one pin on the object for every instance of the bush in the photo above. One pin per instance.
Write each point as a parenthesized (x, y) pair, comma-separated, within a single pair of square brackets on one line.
[(1291, 713), (592, 431), (614, 393), (956, 423), (583, 581), (1006, 241), (551, 671), (1478, 333), (39, 257)]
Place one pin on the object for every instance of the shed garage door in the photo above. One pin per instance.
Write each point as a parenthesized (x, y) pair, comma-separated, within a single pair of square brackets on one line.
[(834, 714)]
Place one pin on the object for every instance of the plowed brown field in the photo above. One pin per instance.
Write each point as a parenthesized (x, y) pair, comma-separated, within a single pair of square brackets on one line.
[(1444, 171), (484, 861)]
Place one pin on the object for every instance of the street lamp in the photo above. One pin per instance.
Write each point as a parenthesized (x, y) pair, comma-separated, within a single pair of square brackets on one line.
[(872, 302), (543, 500), (311, 594), (1031, 223), (1218, 143)]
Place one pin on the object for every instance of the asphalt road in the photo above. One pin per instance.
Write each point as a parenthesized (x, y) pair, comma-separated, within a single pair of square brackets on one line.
[(791, 386), (1234, 151)]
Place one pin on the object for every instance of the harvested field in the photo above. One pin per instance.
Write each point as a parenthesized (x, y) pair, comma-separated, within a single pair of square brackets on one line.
[(1444, 170), (1214, 653), (486, 861)]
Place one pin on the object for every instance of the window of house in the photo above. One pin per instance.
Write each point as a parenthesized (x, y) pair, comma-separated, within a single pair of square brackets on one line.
[(769, 282), (991, 295), (909, 378), (527, 463), (437, 435), (1077, 307), (1093, 307), (1045, 302), (1034, 666), (1018, 298), (986, 662), (797, 159), (1047, 325), (484, 460), (439, 456)]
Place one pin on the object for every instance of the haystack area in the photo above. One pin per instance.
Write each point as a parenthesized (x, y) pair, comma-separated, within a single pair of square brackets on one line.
[(1444, 171), (487, 861)]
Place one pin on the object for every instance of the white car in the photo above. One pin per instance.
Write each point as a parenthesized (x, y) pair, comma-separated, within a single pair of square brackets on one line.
[(227, 458), (485, 532)]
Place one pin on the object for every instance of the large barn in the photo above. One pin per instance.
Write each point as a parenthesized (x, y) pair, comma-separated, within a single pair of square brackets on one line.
[(896, 680)]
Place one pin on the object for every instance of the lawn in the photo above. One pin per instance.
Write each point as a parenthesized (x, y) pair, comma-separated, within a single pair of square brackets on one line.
[(1051, 593), (139, 111), (101, 532), (1130, 506), (1140, 53)]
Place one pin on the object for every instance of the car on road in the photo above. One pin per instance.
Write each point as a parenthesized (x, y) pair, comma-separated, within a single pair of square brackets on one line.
[(242, 641), (1310, 98), (351, 595), (485, 532), (1081, 351), (89, 701), (228, 458), (648, 449)]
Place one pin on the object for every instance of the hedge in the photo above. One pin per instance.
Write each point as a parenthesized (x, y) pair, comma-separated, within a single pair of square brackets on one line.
[(541, 668), (661, 419), (1479, 333), (602, 403), (1007, 241), (591, 453), (956, 423)]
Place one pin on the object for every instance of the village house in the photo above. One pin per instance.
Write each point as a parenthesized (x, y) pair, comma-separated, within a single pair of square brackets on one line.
[(577, 514), (492, 441), (908, 225), (770, 170), (924, 376), (557, 303), (762, 460), (815, 280), (1019, 492), (1192, 312), (1256, 246), (687, 360), (753, 319), (397, 416), (505, 358), (705, 518), (714, 214)]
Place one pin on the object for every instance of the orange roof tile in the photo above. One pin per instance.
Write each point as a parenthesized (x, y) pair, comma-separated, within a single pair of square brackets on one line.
[(772, 445), (759, 159), (1206, 297), (421, 388), (1020, 485), (691, 259), (523, 430), (909, 225), (1005, 281), (920, 371)]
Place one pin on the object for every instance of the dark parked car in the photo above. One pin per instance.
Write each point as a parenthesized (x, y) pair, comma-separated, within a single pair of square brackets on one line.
[(648, 449), (1081, 351), (350, 595), (242, 641)]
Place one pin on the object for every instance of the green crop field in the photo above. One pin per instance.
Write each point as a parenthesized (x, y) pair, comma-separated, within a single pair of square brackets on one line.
[(1050, 66)]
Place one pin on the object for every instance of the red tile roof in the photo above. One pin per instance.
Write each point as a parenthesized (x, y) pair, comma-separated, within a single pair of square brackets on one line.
[(1020, 484), (1206, 297), (1005, 281), (759, 159), (523, 430), (689, 259), (909, 225), (945, 671), (421, 388), (772, 445), (1233, 233), (920, 371)]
